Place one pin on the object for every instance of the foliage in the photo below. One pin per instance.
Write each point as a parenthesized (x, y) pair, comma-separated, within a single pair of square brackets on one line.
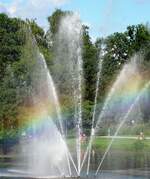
[(139, 145), (17, 63), (119, 48), (90, 64), (55, 19), (11, 40)]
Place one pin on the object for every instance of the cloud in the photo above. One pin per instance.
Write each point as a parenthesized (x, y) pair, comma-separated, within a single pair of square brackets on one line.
[(32, 9), (12, 10), (9, 8), (140, 2), (46, 3), (3, 9)]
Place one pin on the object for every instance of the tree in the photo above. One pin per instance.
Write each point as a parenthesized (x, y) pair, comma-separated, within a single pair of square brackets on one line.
[(90, 64), (90, 55), (119, 47), (138, 37), (18, 55), (11, 40), (55, 19), (38, 33)]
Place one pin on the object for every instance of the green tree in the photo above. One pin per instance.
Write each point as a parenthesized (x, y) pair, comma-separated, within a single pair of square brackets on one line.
[(119, 47), (90, 65), (55, 18), (11, 40)]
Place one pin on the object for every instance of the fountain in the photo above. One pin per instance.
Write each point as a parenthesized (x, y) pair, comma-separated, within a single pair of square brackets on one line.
[(43, 151)]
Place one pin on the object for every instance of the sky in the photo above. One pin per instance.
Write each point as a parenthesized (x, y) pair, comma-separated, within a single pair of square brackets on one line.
[(104, 17)]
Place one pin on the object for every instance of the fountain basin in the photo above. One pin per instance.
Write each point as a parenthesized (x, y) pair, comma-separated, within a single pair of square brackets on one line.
[(14, 176), (108, 174)]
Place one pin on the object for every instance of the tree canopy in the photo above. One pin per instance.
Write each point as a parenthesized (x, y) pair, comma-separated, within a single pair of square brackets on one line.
[(16, 63)]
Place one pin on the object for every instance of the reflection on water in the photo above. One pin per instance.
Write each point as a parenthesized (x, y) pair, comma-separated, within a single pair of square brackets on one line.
[(105, 175), (117, 165), (121, 164), (110, 175), (116, 160)]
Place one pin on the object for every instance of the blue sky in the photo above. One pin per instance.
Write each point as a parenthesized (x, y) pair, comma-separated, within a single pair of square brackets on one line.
[(103, 16)]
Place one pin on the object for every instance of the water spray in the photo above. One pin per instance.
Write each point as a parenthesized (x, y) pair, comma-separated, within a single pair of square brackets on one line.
[(121, 124)]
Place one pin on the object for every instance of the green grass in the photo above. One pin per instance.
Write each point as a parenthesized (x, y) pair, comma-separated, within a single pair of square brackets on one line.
[(136, 129), (118, 144)]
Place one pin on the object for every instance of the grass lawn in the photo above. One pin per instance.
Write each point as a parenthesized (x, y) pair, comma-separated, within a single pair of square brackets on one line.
[(100, 143)]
